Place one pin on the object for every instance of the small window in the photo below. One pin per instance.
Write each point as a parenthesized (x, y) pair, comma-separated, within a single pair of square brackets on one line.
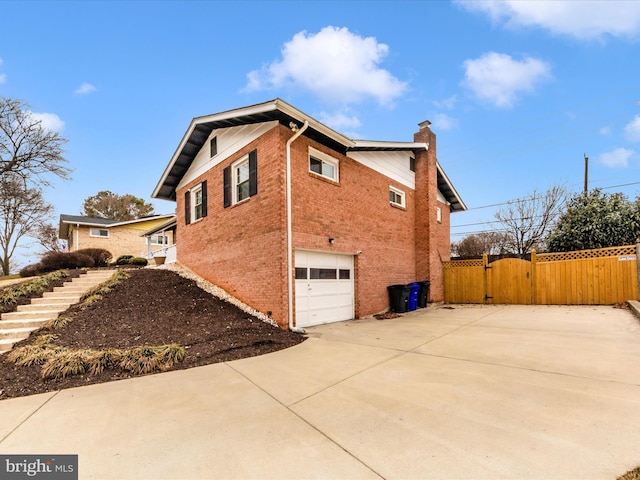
[(412, 164), (396, 197), (323, 164), (213, 146), (241, 180), (323, 274), (197, 203), (99, 232), (301, 273), (159, 239), (438, 214), (344, 274)]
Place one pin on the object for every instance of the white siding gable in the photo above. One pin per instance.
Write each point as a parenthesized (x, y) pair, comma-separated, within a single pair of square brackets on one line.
[(395, 165), (229, 140)]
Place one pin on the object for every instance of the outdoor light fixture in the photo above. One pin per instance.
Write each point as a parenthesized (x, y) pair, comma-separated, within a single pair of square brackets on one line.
[(331, 240)]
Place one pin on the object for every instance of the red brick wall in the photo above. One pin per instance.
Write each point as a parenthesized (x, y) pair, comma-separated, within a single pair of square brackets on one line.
[(356, 213), (242, 248), (432, 238)]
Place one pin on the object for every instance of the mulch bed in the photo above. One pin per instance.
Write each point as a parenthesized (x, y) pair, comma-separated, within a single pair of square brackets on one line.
[(152, 307)]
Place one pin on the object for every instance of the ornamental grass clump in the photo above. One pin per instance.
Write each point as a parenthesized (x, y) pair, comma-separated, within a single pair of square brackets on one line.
[(60, 362), (11, 296)]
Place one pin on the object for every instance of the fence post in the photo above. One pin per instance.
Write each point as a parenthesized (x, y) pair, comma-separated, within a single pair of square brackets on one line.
[(485, 263), (534, 300), (638, 269)]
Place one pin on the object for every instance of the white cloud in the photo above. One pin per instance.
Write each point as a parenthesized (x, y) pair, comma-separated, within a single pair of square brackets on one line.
[(447, 103), (334, 64), (84, 89), (580, 19), (340, 120), (49, 121), (442, 121), (606, 131), (3, 78), (618, 158), (632, 130), (499, 79)]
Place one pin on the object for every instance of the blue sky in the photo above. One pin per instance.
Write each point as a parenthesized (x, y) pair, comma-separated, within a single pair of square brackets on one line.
[(517, 92)]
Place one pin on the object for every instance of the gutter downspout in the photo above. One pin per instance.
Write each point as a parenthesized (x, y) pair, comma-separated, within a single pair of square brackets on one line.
[(77, 236), (298, 132)]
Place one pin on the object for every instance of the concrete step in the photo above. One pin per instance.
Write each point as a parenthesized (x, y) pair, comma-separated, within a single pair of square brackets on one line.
[(56, 300), (39, 315), (6, 344), (15, 334), (38, 307), (24, 323)]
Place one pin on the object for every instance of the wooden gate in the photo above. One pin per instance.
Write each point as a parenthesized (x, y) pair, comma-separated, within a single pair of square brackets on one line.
[(508, 281), (587, 277)]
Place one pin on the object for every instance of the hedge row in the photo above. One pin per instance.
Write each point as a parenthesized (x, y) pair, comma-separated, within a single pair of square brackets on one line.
[(85, 258)]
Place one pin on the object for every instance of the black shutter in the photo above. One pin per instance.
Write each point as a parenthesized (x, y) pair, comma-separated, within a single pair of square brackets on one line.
[(253, 173), (226, 181), (204, 198), (187, 207)]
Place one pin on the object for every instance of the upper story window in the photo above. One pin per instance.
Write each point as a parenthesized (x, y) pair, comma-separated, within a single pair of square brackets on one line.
[(195, 203), (323, 164), (99, 232), (396, 197), (213, 146), (240, 180), (412, 164), (159, 239)]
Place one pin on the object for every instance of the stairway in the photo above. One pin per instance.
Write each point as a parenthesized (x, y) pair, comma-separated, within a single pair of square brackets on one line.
[(16, 326)]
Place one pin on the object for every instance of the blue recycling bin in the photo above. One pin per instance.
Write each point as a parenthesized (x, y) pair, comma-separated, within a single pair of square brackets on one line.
[(413, 296)]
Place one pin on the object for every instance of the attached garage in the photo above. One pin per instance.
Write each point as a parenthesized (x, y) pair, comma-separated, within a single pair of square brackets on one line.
[(324, 288)]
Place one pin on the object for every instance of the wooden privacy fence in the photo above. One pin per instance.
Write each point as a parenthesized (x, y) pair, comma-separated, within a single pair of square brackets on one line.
[(587, 277)]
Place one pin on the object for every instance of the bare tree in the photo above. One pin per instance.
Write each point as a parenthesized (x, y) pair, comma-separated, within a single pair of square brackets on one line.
[(526, 221), (47, 236), (110, 205), (27, 149), (475, 245), (22, 211)]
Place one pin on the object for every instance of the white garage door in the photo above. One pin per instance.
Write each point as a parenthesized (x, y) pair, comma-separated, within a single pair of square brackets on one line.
[(324, 288)]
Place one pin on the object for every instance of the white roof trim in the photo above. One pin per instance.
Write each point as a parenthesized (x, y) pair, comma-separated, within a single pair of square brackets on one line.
[(375, 144), (450, 185)]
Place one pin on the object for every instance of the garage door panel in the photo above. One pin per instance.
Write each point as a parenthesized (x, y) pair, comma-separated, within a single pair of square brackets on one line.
[(324, 288)]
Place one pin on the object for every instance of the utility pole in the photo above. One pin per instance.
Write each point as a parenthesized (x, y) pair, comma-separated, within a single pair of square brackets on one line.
[(586, 174)]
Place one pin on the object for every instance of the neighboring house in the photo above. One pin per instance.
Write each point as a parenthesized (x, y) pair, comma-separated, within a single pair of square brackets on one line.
[(164, 231), (118, 237), (360, 215)]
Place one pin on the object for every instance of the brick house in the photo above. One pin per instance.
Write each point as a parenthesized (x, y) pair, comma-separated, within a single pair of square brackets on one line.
[(360, 216), (118, 237)]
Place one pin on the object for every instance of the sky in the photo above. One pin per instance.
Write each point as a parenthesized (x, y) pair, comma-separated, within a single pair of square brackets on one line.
[(518, 92)]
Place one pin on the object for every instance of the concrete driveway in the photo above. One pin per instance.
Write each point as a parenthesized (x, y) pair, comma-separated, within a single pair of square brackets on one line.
[(447, 392)]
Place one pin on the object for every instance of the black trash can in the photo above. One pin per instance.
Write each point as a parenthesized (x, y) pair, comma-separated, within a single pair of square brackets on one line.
[(399, 297), (423, 294)]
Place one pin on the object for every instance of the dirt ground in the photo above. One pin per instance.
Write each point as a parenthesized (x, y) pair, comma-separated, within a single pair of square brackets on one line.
[(152, 307)]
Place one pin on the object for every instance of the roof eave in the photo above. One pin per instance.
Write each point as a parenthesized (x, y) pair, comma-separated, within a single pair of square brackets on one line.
[(452, 195)]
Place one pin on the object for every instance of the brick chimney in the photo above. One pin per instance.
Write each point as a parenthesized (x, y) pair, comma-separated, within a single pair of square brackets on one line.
[(429, 234)]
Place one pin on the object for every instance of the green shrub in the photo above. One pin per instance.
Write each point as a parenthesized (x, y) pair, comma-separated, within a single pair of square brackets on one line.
[(124, 259), (100, 256), (139, 261)]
